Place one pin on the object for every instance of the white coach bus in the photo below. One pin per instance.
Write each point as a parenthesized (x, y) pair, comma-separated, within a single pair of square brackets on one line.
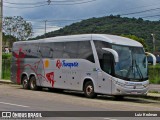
[(92, 63)]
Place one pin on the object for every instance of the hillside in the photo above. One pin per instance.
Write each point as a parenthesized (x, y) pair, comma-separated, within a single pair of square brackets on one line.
[(113, 25)]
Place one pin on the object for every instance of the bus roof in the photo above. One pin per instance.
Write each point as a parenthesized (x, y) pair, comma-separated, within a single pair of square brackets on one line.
[(114, 39)]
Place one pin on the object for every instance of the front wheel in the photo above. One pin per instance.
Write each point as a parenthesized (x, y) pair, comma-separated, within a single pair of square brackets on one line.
[(89, 90)]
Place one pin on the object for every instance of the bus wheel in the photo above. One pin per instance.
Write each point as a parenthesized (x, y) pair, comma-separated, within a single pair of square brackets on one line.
[(89, 90), (32, 83), (25, 83)]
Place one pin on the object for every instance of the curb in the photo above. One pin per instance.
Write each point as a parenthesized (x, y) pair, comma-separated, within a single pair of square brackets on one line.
[(153, 96), (6, 82)]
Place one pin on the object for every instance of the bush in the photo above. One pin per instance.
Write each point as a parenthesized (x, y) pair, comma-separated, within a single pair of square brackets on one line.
[(6, 56), (6, 71), (154, 74)]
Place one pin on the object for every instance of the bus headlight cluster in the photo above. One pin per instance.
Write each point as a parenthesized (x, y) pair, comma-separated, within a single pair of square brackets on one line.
[(119, 83)]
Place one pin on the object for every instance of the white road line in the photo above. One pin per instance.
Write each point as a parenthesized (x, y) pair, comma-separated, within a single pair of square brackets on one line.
[(109, 119), (13, 104)]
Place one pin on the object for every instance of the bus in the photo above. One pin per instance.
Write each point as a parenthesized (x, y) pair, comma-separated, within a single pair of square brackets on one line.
[(91, 63)]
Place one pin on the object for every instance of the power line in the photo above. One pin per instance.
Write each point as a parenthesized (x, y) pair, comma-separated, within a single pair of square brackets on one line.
[(68, 3), (76, 2), (143, 6), (49, 1), (54, 20), (47, 27), (151, 16), (26, 7), (13, 3), (138, 12)]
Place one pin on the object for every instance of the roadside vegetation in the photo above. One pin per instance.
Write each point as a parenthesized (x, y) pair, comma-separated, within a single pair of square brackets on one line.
[(154, 74), (6, 63), (115, 25)]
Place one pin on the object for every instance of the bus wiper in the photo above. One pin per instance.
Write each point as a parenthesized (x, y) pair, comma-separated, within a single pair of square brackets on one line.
[(130, 69), (134, 64), (138, 69)]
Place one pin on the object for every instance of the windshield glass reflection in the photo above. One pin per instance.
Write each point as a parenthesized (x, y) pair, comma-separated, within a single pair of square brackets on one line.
[(132, 63)]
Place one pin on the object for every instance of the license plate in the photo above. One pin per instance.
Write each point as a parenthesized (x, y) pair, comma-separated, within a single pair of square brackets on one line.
[(134, 93)]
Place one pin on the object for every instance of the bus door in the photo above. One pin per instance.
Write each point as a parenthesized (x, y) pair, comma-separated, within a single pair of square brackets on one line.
[(105, 76)]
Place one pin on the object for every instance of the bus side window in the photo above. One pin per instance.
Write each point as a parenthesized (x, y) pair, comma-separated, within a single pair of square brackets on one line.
[(70, 49), (85, 51), (58, 49), (46, 50)]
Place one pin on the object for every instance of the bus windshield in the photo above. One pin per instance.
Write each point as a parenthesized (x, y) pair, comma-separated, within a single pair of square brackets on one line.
[(132, 65)]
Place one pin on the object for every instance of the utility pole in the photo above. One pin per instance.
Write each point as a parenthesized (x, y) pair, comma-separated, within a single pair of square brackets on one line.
[(1, 17), (45, 28), (154, 41), (49, 2)]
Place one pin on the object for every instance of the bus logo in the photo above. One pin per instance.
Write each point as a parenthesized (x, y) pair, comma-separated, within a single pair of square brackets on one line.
[(58, 64), (63, 63)]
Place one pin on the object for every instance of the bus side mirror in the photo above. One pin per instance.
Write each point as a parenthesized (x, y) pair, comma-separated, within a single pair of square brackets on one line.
[(115, 54), (153, 56)]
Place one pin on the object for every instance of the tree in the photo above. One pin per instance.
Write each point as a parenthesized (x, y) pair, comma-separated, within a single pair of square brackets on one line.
[(8, 40), (141, 40), (17, 27)]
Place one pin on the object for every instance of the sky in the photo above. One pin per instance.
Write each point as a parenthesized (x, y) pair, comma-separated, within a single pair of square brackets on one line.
[(60, 13)]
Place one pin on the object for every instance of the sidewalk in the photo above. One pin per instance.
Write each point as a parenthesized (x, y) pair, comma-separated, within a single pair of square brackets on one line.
[(154, 90)]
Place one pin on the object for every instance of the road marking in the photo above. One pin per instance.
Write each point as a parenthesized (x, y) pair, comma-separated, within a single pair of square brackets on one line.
[(13, 104), (109, 119)]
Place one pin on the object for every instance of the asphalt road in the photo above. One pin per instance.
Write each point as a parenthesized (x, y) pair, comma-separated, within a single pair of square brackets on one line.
[(14, 98)]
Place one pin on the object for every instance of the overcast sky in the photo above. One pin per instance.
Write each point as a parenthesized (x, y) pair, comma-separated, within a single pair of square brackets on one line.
[(37, 11)]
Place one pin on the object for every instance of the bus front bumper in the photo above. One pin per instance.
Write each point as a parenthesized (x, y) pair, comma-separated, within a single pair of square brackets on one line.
[(129, 90)]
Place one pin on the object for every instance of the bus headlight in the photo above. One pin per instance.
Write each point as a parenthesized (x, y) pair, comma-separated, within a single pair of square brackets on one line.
[(119, 83)]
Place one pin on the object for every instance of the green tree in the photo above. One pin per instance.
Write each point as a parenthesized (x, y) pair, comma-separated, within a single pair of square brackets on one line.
[(8, 40), (17, 27), (141, 40)]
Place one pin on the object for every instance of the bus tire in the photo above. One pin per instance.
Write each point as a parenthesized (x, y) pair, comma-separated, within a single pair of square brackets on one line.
[(89, 90), (25, 82), (32, 83)]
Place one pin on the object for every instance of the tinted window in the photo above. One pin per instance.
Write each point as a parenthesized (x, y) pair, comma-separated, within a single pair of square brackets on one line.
[(46, 50), (99, 45), (85, 51), (58, 49), (32, 50), (75, 49), (18, 50), (70, 50)]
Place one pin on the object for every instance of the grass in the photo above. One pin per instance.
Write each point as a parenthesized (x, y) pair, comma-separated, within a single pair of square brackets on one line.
[(154, 74), (6, 72)]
